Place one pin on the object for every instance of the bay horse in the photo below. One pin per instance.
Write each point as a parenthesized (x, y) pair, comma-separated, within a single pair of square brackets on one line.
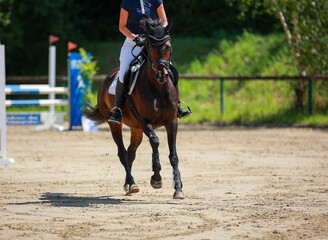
[(155, 99)]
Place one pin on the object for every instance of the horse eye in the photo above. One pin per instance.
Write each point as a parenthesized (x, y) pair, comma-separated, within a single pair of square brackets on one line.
[(166, 48)]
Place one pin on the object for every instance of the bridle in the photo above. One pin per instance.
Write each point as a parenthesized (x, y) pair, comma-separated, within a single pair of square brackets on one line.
[(151, 40)]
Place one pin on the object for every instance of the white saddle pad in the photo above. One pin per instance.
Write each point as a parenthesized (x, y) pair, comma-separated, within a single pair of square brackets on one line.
[(112, 87)]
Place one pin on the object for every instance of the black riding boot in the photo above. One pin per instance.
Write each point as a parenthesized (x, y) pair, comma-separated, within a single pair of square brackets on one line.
[(116, 116), (181, 112)]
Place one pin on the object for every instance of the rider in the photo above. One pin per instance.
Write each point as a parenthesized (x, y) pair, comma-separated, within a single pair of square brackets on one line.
[(132, 12)]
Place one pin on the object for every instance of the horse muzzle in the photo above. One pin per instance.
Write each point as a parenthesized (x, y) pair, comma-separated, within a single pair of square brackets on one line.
[(162, 76), (161, 70)]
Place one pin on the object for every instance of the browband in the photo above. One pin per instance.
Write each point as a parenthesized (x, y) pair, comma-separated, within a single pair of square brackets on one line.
[(159, 41)]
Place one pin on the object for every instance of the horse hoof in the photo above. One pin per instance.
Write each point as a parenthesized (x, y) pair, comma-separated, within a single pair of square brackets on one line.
[(178, 195), (156, 184), (131, 189)]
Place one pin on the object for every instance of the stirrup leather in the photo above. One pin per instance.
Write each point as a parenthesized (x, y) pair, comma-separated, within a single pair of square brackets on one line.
[(115, 116)]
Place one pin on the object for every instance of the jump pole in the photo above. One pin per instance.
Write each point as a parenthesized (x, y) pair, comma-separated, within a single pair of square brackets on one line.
[(52, 75), (3, 130), (52, 84)]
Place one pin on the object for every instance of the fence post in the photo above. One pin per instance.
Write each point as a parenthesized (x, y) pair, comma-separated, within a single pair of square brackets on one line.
[(310, 97), (222, 95)]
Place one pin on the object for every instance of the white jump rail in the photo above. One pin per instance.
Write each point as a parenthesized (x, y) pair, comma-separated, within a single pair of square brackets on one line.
[(34, 89)]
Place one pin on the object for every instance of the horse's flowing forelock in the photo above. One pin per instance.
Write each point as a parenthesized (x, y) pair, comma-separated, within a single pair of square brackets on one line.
[(156, 27), (154, 23)]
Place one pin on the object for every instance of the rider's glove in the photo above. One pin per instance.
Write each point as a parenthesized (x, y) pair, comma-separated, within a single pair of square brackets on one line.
[(139, 41)]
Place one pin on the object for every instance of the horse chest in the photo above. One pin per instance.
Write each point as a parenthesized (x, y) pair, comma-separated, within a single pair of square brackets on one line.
[(156, 105)]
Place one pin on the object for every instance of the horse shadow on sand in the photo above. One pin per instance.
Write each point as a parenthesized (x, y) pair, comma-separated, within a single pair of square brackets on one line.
[(66, 200)]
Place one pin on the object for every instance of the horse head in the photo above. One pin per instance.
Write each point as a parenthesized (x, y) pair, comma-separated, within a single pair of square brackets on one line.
[(158, 46)]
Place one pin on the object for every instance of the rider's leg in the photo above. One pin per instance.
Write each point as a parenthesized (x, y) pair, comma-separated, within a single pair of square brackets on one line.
[(126, 58), (181, 112), (116, 116)]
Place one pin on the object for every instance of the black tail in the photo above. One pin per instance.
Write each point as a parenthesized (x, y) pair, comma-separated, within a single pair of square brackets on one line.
[(93, 114)]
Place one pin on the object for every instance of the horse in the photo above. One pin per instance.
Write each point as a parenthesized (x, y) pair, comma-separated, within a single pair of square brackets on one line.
[(155, 99)]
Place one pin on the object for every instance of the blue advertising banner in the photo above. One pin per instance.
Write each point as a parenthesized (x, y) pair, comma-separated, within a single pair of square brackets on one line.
[(77, 86), (23, 119)]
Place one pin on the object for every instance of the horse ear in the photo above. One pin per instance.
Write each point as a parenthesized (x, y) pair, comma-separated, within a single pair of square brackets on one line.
[(149, 28), (168, 27)]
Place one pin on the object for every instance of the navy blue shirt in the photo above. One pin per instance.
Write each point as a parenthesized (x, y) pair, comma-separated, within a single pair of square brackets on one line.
[(133, 7)]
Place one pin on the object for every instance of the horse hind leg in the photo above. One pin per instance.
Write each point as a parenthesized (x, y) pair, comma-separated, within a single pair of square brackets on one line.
[(129, 185)]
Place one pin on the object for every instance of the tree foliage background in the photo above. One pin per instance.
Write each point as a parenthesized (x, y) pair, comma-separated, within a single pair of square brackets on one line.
[(26, 24), (305, 23), (207, 33)]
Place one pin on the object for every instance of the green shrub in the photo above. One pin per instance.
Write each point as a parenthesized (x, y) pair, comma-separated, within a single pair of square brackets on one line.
[(246, 102)]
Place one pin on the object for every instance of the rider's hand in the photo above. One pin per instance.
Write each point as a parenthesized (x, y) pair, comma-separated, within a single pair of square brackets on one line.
[(139, 41)]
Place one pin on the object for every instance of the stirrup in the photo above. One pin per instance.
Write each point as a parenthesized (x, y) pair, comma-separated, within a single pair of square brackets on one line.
[(115, 119), (189, 111)]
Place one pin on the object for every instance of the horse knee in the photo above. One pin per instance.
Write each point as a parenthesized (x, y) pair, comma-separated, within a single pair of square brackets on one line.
[(122, 155), (154, 141), (132, 152), (131, 158)]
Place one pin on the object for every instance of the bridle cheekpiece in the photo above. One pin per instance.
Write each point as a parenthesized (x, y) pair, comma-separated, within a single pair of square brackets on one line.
[(157, 36)]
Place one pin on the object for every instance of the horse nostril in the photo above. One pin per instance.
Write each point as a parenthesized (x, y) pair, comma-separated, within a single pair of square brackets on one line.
[(161, 77)]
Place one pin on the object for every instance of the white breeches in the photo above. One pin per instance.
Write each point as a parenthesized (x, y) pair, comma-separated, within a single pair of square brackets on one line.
[(126, 56)]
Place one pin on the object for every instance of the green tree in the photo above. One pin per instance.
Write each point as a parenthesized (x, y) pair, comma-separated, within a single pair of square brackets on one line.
[(26, 28), (305, 23), (26, 24), (89, 69), (5, 14)]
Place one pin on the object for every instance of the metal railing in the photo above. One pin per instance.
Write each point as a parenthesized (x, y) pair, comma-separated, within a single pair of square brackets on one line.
[(40, 79)]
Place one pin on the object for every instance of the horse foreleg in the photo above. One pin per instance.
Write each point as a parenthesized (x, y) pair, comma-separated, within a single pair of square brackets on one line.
[(129, 186), (172, 130), (156, 179)]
